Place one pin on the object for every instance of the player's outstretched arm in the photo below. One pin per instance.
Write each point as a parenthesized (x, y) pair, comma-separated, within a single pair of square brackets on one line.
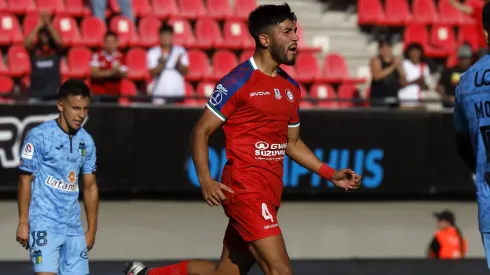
[(23, 202), (91, 203), (300, 153), (212, 190)]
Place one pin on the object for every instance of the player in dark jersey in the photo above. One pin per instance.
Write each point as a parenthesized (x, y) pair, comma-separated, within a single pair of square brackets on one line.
[(257, 106)]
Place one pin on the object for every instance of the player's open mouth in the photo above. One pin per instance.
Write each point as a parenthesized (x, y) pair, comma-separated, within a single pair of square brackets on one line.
[(293, 49)]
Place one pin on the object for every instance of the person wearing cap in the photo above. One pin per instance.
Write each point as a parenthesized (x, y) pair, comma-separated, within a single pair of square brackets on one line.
[(448, 242), (450, 76)]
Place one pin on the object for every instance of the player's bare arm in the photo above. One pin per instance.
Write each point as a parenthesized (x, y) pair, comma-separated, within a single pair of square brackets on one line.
[(299, 152), (91, 203), (212, 190), (23, 202), (465, 150)]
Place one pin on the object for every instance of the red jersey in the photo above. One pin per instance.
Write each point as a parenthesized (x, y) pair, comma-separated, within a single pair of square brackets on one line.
[(105, 61), (257, 110)]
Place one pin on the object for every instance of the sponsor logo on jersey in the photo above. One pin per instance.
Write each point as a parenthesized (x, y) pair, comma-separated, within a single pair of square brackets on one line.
[(289, 95), (252, 94), (28, 151), (69, 186), (277, 94), (271, 226), (37, 257), (273, 151), (218, 94)]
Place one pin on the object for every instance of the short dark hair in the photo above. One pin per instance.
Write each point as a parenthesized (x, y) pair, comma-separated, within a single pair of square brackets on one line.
[(265, 16), (73, 87), (110, 33), (486, 16), (165, 28)]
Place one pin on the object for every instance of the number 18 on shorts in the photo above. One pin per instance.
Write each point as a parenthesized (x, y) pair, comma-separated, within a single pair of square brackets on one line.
[(55, 253)]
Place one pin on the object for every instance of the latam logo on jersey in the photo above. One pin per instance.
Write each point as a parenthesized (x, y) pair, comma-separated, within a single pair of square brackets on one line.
[(266, 151), (69, 186)]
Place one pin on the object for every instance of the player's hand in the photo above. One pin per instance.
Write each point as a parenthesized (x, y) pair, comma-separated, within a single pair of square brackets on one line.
[(90, 239), (213, 192), (23, 235), (346, 179)]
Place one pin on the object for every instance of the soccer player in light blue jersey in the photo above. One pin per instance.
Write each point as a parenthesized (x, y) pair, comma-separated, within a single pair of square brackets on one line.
[(471, 123), (53, 157)]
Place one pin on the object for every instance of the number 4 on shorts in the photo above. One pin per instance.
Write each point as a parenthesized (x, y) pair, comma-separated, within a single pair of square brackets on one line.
[(265, 213)]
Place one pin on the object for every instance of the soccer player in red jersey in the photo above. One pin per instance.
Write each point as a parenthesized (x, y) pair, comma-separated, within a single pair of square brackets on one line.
[(257, 106)]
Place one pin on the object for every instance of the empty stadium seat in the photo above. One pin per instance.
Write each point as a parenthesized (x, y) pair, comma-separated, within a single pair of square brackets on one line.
[(219, 9), (243, 8), (189, 96), (18, 61), (51, 6), (30, 22), (468, 34), (204, 91), (452, 60), (21, 6), (236, 35), (346, 93), (424, 12), (397, 12), (79, 62), (3, 67), (191, 9), (68, 29), (3, 6), (450, 15), (136, 63), (128, 88), (305, 98), (148, 31), (141, 8), (307, 69), (93, 30), (76, 8), (321, 92), (289, 70), (208, 34), (183, 34), (10, 31), (335, 70), (417, 33), (125, 29), (223, 62), (199, 66), (442, 37), (113, 6), (302, 45), (245, 55), (370, 12), (6, 85), (164, 9)]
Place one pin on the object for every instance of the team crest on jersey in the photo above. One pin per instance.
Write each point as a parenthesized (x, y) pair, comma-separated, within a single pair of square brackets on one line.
[(72, 177), (82, 149), (277, 94), (289, 95), (37, 257)]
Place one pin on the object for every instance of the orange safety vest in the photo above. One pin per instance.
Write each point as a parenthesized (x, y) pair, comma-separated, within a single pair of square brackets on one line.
[(449, 242)]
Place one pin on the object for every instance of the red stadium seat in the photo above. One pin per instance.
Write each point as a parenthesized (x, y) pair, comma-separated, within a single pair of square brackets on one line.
[(68, 29), (302, 45), (397, 12), (183, 34), (128, 88), (245, 55), (113, 6), (3, 6), (208, 34), (243, 8), (76, 8), (305, 98), (424, 12), (469, 34), (141, 8), (30, 22), (219, 9), (125, 30), (346, 92), (199, 66), (417, 33), (450, 15), (289, 70), (136, 62), (148, 29), (223, 62), (307, 69), (51, 6), (21, 6), (93, 31), (370, 12), (18, 61), (189, 96), (452, 60), (64, 68), (335, 70), (321, 92), (236, 35), (6, 85), (79, 62), (10, 32), (165, 8), (204, 91), (443, 38), (191, 9), (3, 67)]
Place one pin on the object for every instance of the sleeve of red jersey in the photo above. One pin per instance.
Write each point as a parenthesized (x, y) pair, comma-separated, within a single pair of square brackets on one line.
[(222, 101), (294, 121)]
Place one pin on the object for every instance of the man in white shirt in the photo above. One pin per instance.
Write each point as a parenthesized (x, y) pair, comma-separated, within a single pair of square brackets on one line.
[(168, 64)]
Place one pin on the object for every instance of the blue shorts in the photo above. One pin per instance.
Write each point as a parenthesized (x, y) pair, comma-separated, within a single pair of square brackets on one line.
[(55, 253)]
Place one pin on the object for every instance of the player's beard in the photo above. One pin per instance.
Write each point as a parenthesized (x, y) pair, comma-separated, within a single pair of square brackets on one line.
[(280, 54)]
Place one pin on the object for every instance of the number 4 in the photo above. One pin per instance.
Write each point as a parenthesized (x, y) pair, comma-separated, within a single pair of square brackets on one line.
[(265, 213)]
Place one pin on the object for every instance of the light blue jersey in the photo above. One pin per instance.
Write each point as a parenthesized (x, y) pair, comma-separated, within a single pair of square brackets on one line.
[(56, 161)]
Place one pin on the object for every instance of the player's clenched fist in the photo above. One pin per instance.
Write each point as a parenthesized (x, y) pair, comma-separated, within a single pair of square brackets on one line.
[(23, 235), (213, 192), (346, 179)]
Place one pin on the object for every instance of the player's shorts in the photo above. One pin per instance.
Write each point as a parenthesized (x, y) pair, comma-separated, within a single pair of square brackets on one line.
[(55, 253), (250, 220)]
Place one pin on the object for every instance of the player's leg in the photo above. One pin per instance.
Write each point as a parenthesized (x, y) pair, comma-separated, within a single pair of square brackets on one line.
[(44, 248), (74, 256), (271, 255)]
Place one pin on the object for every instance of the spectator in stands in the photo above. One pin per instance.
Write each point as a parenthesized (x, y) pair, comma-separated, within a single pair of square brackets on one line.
[(45, 55), (99, 7), (475, 9), (448, 242), (107, 69), (387, 76), (450, 76), (168, 64), (417, 75)]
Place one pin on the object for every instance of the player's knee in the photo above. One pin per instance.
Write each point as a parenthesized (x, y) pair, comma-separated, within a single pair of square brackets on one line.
[(280, 269)]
